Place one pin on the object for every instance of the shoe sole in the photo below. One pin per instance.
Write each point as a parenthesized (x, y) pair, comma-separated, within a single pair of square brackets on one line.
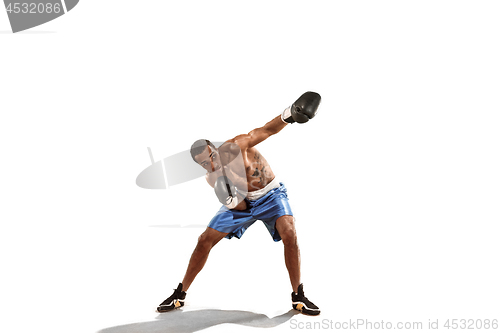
[(175, 304), (301, 307)]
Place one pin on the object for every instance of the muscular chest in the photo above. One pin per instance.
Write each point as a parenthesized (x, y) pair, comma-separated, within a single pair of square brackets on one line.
[(258, 171)]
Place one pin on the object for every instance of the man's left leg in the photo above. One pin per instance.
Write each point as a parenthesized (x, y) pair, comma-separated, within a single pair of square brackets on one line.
[(286, 228)]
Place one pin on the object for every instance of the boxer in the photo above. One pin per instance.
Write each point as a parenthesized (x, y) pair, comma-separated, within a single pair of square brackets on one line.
[(248, 189)]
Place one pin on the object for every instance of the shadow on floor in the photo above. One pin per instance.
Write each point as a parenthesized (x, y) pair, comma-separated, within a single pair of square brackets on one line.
[(192, 321)]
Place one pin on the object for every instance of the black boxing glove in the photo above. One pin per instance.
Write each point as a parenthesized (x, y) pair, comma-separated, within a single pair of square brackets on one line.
[(226, 192), (304, 108)]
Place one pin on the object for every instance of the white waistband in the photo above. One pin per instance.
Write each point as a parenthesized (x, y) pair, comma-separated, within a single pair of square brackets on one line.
[(254, 195)]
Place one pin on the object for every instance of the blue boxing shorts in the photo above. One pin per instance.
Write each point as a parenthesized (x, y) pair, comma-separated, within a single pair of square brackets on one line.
[(268, 209)]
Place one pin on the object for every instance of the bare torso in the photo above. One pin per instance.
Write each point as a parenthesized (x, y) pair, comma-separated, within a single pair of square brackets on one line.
[(257, 169)]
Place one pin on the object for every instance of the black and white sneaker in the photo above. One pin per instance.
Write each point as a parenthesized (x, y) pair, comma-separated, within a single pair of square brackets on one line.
[(173, 302), (302, 304)]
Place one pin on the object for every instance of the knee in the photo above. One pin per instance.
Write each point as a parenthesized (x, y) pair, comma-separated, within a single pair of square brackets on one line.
[(204, 242), (289, 237), (288, 233)]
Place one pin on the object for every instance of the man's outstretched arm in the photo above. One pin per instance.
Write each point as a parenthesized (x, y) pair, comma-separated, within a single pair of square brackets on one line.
[(260, 134), (301, 111)]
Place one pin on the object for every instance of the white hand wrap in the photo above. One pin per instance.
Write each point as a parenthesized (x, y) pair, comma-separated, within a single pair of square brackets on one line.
[(286, 116)]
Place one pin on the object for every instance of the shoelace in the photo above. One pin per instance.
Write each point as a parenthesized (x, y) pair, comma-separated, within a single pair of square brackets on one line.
[(174, 295), (302, 297)]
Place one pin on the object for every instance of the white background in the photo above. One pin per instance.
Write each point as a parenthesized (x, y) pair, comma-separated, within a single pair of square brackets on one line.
[(395, 183)]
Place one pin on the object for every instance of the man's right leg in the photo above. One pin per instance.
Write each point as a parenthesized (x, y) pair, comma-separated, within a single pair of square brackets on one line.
[(206, 242)]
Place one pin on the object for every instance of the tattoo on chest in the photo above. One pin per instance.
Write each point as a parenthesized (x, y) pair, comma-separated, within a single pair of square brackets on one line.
[(259, 171), (256, 173)]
